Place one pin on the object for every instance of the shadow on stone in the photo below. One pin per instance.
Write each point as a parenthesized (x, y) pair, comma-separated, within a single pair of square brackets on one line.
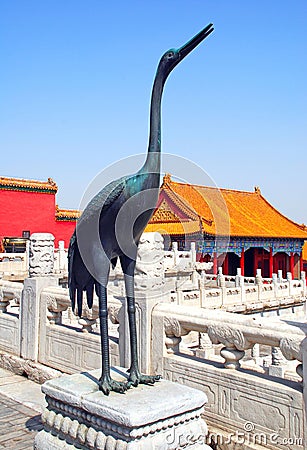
[(34, 424)]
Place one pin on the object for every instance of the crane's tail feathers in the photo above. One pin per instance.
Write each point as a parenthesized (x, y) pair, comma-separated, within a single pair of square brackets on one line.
[(71, 281), (79, 279), (90, 295), (72, 295), (79, 301)]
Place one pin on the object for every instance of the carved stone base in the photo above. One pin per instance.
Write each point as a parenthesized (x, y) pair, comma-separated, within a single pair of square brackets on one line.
[(166, 416)]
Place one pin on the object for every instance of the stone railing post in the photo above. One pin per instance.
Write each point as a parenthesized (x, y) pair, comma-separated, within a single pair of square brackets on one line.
[(303, 348), (41, 257), (237, 279), (193, 252), (259, 283), (239, 282), (27, 257), (202, 289), (179, 292), (175, 252), (194, 279), (62, 257), (303, 278), (304, 292), (41, 261), (279, 276), (275, 284), (220, 281), (289, 281), (242, 289)]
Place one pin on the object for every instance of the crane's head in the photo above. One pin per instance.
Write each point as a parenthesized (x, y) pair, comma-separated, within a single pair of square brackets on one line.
[(172, 57)]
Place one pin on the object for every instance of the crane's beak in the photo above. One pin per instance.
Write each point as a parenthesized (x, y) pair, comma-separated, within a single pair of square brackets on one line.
[(189, 46)]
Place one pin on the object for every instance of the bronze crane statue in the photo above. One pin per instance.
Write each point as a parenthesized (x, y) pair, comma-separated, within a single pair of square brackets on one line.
[(111, 225)]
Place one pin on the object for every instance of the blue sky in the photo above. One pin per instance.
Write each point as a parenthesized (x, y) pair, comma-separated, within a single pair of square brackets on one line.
[(76, 79)]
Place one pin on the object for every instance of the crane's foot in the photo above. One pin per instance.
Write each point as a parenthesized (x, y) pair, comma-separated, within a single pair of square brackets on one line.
[(107, 384), (136, 378)]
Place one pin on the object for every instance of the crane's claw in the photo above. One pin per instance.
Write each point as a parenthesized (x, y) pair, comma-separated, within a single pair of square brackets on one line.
[(107, 384), (136, 378)]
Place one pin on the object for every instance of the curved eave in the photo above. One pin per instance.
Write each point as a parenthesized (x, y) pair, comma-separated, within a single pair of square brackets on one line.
[(304, 253), (39, 190), (66, 219), (174, 228), (67, 215)]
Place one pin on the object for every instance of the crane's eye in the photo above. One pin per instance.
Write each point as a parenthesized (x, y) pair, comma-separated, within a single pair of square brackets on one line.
[(170, 54)]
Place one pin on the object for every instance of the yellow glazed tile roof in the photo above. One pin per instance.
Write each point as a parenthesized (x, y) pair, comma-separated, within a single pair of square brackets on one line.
[(173, 228), (231, 212), (21, 184), (66, 214)]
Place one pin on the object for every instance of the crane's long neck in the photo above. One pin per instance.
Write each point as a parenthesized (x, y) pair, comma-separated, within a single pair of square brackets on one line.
[(153, 160)]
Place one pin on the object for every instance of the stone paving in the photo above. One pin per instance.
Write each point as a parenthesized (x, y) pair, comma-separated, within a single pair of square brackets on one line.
[(21, 403)]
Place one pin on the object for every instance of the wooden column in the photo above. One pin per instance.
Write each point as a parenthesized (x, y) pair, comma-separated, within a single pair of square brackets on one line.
[(256, 256), (215, 263), (226, 268), (292, 264), (242, 262), (271, 263)]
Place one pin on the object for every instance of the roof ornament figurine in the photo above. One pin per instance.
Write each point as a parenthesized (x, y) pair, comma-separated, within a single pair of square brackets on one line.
[(111, 225)]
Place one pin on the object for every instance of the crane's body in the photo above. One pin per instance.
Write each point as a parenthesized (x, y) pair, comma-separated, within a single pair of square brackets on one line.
[(111, 225)]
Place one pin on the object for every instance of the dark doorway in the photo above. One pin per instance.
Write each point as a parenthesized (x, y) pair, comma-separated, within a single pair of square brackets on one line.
[(233, 263), (257, 258), (249, 262), (281, 262)]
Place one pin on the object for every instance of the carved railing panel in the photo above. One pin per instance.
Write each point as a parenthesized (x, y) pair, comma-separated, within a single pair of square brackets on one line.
[(10, 292), (236, 332)]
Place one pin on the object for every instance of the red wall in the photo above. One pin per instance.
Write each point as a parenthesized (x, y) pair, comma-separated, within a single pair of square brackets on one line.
[(31, 211)]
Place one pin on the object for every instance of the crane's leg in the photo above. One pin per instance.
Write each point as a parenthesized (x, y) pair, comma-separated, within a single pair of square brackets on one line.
[(106, 383), (135, 376)]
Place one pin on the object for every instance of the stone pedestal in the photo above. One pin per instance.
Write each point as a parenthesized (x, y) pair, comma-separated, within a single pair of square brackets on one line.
[(166, 416)]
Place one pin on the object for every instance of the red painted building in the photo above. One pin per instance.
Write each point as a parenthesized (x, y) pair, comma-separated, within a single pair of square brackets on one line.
[(30, 206)]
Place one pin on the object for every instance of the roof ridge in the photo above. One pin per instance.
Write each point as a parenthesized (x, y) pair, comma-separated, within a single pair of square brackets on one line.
[(24, 183), (166, 183), (215, 188), (176, 198)]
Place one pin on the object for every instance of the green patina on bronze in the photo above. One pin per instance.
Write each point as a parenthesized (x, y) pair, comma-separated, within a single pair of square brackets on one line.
[(102, 235)]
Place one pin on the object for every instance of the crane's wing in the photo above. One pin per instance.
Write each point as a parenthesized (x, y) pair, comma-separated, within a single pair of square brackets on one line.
[(79, 278), (104, 199)]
